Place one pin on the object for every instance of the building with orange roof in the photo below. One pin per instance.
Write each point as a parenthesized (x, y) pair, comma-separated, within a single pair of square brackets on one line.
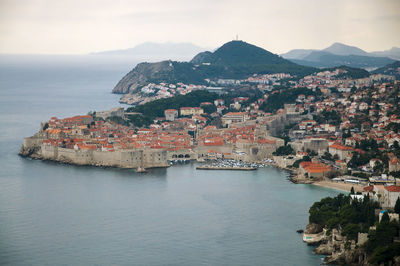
[(171, 114), (234, 117), (394, 164), (314, 169), (343, 152), (390, 196), (187, 111)]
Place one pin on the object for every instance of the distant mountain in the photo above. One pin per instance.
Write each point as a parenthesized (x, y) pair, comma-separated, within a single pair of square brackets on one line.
[(297, 53), (235, 59), (393, 53), (157, 49), (391, 69), (343, 49), (341, 54), (322, 59)]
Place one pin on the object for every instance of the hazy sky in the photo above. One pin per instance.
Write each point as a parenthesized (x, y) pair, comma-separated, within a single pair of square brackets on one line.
[(84, 26)]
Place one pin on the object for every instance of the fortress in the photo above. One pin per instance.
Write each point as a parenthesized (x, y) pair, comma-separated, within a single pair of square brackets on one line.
[(128, 158), (81, 140)]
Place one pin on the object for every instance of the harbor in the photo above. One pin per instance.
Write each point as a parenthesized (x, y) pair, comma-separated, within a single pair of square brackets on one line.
[(229, 165)]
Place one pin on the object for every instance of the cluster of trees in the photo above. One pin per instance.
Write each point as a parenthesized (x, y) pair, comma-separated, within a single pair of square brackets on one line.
[(327, 156), (329, 117), (353, 216), (380, 241), (287, 95), (284, 150), (296, 164), (393, 126), (370, 150), (156, 108)]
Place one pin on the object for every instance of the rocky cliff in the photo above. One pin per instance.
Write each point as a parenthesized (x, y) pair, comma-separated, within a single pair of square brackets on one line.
[(337, 248), (141, 74)]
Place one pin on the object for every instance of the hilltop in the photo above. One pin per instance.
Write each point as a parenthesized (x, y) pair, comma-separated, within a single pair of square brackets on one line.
[(233, 60), (343, 49)]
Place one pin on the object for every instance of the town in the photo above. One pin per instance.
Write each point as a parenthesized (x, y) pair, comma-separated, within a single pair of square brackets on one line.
[(329, 128)]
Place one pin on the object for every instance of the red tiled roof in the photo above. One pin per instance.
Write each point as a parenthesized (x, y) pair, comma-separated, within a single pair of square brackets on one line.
[(393, 188), (368, 189)]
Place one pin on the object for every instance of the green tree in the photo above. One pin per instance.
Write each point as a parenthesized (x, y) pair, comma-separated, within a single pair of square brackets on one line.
[(352, 191), (351, 231), (385, 217), (283, 150), (397, 206)]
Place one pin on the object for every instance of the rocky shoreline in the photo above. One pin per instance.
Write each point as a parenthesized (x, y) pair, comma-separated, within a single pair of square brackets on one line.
[(338, 250)]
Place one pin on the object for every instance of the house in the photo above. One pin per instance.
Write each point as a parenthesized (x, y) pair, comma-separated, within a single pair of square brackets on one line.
[(234, 117), (343, 152), (219, 102), (390, 195), (314, 169), (171, 114), (187, 111), (394, 164), (374, 162)]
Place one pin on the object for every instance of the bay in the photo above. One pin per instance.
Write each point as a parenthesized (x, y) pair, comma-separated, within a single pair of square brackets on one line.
[(54, 214)]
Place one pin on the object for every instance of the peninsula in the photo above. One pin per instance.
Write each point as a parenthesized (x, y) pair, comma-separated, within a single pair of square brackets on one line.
[(332, 127)]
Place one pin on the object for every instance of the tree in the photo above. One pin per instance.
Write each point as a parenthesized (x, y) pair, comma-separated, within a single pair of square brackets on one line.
[(397, 206), (396, 145), (352, 191), (385, 217), (283, 150), (46, 126), (378, 168)]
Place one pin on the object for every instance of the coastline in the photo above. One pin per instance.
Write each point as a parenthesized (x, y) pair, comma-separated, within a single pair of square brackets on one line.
[(338, 186), (296, 178)]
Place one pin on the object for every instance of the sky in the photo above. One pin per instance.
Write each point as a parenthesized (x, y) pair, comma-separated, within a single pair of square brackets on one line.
[(85, 26)]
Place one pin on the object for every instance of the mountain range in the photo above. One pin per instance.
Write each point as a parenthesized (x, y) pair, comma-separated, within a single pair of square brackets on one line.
[(342, 49), (340, 54), (233, 60), (157, 50)]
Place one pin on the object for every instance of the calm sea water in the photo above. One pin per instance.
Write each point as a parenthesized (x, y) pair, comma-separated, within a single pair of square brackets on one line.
[(53, 214)]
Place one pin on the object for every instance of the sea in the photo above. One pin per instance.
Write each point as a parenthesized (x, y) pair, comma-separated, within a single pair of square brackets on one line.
[(56, 214)]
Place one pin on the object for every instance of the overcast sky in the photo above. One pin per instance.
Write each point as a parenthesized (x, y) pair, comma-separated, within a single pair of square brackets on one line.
[(84, 26)]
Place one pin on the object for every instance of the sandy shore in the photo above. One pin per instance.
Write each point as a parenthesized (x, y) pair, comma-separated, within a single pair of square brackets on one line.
[(339, 185)]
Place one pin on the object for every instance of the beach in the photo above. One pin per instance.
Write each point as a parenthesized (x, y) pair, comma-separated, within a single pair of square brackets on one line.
[(339, 185)]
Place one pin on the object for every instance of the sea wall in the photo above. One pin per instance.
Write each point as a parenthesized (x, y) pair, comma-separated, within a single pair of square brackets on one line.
[(145, 158)]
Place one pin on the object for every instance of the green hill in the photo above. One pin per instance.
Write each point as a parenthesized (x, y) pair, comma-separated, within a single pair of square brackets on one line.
[(233, 60), (352, 72), (391, 69)]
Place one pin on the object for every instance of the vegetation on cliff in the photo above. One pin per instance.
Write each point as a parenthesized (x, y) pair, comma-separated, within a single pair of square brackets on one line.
[(343, 212), (351, 217), (277, 100), (156, 108), (151, 110)]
